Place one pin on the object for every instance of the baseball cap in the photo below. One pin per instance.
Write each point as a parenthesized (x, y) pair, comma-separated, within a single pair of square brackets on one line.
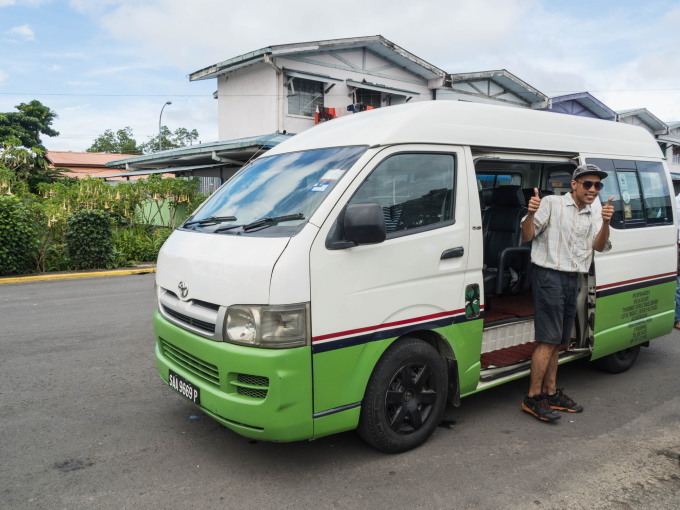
[(588, 169)]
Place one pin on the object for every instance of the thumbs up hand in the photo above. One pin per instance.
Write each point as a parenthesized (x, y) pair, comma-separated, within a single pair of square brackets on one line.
[(534, 202), (608, 210)]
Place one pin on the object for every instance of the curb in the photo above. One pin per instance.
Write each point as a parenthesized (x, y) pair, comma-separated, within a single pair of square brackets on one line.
[(68, 276)]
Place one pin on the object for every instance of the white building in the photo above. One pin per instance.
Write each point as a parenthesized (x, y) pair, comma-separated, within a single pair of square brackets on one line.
[(281, 88)]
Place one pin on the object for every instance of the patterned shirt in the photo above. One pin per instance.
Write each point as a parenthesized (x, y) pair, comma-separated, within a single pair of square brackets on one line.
[(564, 236)]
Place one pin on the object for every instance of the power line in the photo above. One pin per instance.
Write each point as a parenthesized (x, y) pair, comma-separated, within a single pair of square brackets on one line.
[(99, 95)]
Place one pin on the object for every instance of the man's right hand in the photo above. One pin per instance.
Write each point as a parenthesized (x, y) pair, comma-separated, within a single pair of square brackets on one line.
[(534, 202)]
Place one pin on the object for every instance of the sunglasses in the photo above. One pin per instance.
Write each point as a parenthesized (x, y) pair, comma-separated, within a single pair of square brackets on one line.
[(590, 184)]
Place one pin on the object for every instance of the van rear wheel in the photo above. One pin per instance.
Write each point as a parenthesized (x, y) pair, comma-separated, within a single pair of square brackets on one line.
[(619, 361), (405, 397)]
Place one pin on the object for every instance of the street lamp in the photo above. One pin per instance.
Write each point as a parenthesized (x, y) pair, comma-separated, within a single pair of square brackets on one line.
[(160, 147)]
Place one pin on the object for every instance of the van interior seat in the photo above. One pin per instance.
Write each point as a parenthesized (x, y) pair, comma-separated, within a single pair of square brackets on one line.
[(431, 208), (504, 252), (529, 192)]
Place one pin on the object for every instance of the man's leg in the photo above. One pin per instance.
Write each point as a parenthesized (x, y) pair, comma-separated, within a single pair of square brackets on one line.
[(542, 361), (536, 402), (549, 383)]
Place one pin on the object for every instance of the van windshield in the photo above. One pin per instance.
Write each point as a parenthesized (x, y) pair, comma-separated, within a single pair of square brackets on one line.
[(276, 193)]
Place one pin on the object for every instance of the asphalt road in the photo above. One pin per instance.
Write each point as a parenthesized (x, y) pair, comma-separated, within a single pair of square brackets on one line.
[(85, 422)]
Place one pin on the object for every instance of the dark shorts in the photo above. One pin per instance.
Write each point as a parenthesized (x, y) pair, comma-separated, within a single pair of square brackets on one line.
[(555, 294)]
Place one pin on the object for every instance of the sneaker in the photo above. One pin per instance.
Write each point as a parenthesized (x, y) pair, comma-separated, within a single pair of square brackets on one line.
[(561, 402), (538, 407)]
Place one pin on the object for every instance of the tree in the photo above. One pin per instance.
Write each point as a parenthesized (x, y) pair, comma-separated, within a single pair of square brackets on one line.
[(21, 150), (166, 139), (28, 166), (120, 142), (23, 128)]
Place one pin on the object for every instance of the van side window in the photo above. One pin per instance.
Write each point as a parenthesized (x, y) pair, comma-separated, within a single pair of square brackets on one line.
[(641, 194), (494, 180), (413, 190)]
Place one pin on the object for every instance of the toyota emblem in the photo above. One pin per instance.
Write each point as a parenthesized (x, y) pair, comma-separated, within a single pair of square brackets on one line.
[(183, 289)]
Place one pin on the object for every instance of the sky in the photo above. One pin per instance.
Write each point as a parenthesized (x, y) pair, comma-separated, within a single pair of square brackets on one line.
[(108, 64)]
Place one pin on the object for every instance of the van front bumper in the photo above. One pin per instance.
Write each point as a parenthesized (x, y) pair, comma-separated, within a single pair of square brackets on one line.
[(259, 393)]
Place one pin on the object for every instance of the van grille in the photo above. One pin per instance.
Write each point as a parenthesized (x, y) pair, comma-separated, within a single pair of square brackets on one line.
[(197, 323), (203, 370), (253, 386)]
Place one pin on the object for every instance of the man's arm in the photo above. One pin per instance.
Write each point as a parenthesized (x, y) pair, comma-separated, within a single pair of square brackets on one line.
[(602, 237)]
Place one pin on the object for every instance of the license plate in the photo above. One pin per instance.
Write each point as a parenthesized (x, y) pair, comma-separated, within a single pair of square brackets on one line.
[(184, 387)]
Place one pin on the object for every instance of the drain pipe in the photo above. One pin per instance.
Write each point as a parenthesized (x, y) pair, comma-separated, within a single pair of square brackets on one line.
[(279, 93)]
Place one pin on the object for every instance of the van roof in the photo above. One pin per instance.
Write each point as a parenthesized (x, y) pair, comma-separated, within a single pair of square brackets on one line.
[(477, 125)]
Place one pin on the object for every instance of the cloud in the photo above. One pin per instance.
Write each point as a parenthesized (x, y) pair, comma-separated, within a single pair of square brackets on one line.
[(77, 83), (29, 3), (54, 67), (3, 76), (21, 33), (192, 35)]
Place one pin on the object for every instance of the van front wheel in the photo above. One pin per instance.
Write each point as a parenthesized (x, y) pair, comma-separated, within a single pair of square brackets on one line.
[(619, 361), (405, 397)]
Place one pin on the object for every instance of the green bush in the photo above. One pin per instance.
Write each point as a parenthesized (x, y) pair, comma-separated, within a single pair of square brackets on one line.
[(140, 243), (88, 239), (18, 242)]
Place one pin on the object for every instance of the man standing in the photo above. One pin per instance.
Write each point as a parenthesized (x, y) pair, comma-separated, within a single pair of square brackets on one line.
[(564, 231)]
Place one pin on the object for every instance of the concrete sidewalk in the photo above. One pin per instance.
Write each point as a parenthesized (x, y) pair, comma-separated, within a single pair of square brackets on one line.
[(141, 268)]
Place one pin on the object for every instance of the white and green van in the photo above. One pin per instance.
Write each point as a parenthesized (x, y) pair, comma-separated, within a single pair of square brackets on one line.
[(370, 271)]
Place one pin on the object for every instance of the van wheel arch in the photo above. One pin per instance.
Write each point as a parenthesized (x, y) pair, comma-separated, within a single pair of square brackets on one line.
[(405, 397), (619, 361)]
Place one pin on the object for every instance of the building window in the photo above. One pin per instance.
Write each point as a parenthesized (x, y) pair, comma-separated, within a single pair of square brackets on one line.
[(304, 96), (366, 98)]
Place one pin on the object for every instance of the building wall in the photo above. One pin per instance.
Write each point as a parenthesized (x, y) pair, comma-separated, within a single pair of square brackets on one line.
[(254, 100), (635, 121), (492, 93), (248, 102), (447, 94), (573, 108)]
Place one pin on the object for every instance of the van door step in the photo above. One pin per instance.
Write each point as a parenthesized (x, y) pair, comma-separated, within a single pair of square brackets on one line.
[(509, 355)]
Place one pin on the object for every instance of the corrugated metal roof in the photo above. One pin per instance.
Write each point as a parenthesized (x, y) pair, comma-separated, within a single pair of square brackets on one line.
[(377, 44), (380, 88), (199, 151), (306, 74), (504, 79), (645, 116), (169, 170), (86, 159), (588, 101)]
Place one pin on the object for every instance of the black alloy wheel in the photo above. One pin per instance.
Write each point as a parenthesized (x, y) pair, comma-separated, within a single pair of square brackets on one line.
[(405, 397)]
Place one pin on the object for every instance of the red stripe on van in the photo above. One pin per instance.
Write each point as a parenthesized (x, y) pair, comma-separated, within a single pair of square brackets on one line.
[(386, 325), (627, 282)]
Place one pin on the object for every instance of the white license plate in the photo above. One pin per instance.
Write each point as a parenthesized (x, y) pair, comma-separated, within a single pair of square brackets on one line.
[(184, 387)]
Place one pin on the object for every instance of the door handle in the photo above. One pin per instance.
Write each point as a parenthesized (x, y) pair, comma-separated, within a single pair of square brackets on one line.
[(453, 253)]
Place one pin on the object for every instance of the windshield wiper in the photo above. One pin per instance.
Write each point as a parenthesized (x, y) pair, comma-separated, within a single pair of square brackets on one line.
[(268, 222), (210, 220)]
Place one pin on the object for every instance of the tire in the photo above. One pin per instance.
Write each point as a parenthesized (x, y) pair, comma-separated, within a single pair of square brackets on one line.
[(619, 361), (405, 397)]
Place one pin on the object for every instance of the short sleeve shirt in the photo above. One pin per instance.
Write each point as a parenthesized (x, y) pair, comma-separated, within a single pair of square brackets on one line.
[(564, 236)]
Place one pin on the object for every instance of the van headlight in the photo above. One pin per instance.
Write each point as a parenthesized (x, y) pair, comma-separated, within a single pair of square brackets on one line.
[(269, 327)]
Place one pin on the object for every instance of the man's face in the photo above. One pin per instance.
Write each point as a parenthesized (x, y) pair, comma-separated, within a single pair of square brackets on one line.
[(586, 189)]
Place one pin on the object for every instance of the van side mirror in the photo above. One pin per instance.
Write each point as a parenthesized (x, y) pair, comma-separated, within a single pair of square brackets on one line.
[(358, 224)]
